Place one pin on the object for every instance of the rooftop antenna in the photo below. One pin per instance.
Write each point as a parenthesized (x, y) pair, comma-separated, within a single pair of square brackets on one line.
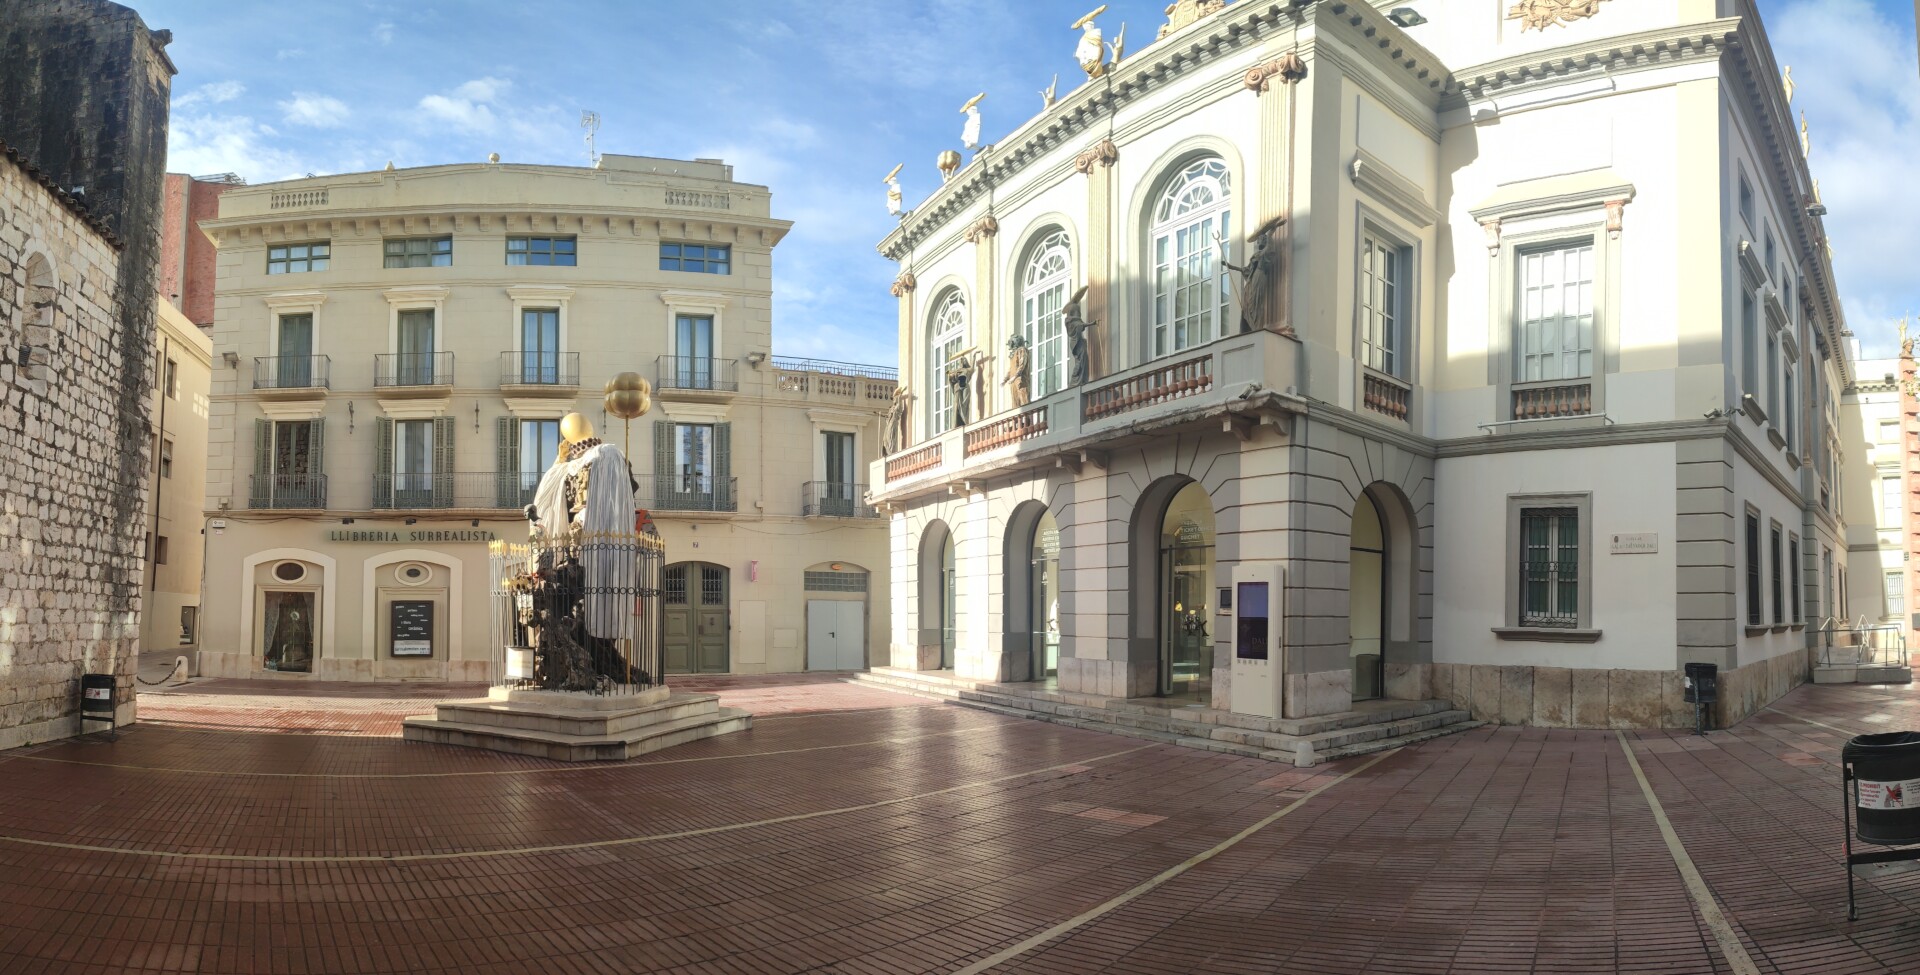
[(591, 122)]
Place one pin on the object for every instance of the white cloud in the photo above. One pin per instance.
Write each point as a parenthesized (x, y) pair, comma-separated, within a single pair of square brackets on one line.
[(316, 111), (288, 53), (383, 32), (217, 92), (1854, 69), (202, 143), (469, 107)]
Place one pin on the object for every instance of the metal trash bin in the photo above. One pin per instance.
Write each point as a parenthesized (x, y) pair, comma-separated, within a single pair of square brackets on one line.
[(1703, 688), (97, 693), (1880, 788)]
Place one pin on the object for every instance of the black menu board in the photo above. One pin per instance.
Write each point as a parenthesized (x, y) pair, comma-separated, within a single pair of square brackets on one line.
[(411, 626)]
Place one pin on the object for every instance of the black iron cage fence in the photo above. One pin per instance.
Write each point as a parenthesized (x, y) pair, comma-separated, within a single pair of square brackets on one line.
[(579, 614)]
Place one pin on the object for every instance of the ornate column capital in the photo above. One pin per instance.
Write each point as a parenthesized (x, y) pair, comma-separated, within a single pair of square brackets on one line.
[(1288, 67), (1103, 152), (1616, 210), (1492, 228), (904, 284), (982, 229)]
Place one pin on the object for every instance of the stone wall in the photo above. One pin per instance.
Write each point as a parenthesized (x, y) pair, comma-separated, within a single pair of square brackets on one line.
[(85, 88), (69, 586), (1560, 697)]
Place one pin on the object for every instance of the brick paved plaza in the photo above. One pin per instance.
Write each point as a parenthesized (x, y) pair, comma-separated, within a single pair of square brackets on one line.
[(248, 827)]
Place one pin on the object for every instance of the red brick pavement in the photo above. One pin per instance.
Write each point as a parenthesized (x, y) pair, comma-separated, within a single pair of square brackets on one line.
[(843, 836)]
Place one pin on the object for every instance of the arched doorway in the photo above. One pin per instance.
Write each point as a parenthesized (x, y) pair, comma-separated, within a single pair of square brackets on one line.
[(1032, 594), (938, 584), (1366, 599), (697, 618), (1171, 564)]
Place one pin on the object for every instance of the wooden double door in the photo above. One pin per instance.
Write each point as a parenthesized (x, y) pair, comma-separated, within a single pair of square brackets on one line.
[(698, 622)]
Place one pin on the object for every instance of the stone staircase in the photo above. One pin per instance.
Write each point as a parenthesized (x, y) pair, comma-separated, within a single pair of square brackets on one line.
[(1856, 665), (1373, 726), (577, 727)]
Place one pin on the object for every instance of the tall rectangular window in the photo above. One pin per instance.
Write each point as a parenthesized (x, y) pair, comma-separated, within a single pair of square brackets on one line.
[(1793, 412), (540, 251), (160, 550), (1550, 567), (693, 351), (172, 379), (1773, 376), (1794, 574), (414, 365), (1556, 314), (540, 345), (419, 252), (166, 458), (698, 258), (693, 457), (539, 445), (1779, 593), (1749, 344), (1889, 431), (293, 366), (1826, 581), (839, 493), (297, 258), (1746, 201), (1755, 611), (1896, 590), (1890, 506), (413, 455), (1382, 303)]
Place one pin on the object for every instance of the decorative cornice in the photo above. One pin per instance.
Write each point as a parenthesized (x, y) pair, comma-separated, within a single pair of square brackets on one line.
[(1389, 187), (1615, 55), (1104, 152), (295, 299), (417, 292)]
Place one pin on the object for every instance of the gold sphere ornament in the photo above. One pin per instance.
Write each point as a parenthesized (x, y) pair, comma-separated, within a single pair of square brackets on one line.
[(949, 163), (629, 395), (575, 428)]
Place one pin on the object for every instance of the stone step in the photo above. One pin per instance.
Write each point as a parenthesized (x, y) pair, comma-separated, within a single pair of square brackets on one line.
[(578, 723), (1342, 735), (571, 748)]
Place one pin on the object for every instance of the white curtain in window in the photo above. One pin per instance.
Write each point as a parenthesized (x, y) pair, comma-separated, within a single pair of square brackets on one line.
[(1049, 276), (1556, 313), (1192, 299), (948, 332)]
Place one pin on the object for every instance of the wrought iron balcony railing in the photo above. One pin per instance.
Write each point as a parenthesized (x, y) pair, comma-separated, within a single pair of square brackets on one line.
[(413, 369), (291, 371), (836, 499), (539, 368), (287, 491), (423, 490), (830, 367), (687, 492), (691, 373)]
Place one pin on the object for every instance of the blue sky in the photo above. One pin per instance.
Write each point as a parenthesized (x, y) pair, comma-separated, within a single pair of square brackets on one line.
[(819, 99)]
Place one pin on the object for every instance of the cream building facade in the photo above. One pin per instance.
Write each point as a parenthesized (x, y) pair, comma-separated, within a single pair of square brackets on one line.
[(1545, 408), (1881, 474), (183, 371), (398, 348)]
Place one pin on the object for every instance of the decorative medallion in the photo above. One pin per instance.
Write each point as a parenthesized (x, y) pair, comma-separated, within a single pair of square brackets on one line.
[(1542, 14), (1181, 13)]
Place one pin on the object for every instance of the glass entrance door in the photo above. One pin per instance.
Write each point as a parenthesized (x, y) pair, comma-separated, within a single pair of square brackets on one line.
[(1044, 604), (949, 586), (540, 346), (1186, 594), (294, 364), (287, 637)]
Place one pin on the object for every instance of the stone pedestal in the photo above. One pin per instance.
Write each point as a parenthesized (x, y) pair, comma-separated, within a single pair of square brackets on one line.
[(572, 726)]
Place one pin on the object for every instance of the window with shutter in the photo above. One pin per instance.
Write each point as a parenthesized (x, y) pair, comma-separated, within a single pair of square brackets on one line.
[(723, 467), (507, 482), (383, 462), (261, 494), (443, 462), (662, 464)]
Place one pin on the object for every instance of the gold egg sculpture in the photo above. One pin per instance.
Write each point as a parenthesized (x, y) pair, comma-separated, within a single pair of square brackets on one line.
[(629, 395), (949, 163)]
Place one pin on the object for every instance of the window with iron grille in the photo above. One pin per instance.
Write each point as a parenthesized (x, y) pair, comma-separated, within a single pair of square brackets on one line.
[(1779, 600), (1753, 570), (1550, 567), (675, 585), (1896, 589), (541, 251), (836, 581), (713, 585), (419, 252)]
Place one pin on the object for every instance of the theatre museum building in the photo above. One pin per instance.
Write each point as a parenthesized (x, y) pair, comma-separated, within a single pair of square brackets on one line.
[(1435, 350), (394, 353)]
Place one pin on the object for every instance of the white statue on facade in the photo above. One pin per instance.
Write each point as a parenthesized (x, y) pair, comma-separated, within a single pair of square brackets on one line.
[(1092, 50), (970, 133), (893, 190)]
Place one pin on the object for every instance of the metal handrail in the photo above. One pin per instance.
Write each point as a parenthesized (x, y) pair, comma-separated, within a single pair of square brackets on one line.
[(1873, 638), (836, 368)]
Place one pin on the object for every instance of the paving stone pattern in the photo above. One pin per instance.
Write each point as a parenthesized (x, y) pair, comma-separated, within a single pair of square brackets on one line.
[(845, 835)]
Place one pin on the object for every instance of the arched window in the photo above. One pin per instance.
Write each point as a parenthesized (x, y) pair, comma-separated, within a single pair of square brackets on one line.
[(947, 332), (1043, 293), (1192, 301), (36, 318)]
